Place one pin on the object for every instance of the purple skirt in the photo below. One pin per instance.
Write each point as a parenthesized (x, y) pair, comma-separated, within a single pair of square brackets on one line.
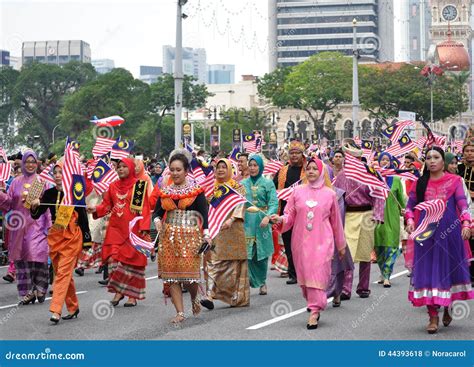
[(440, 269)]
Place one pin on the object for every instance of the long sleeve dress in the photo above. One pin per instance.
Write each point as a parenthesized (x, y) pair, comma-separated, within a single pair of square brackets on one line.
[(440, 273), (262, 194), (27, 243)]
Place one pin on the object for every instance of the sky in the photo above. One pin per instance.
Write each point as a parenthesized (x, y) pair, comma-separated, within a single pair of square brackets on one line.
[(132, 33)]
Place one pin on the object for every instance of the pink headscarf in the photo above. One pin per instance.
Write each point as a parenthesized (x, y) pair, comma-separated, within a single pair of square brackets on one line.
[(321, 181)]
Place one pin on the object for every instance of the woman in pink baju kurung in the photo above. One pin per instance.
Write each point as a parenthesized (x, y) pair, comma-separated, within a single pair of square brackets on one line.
[(313, 213)]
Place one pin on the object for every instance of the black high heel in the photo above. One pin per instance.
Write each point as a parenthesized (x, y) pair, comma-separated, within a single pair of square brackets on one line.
[(71, 316), (115, 303), (54, 319), (27, 300)]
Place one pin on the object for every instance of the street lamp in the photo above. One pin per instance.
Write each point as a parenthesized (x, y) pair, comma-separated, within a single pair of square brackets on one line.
[(355, 79), (430, 72), (52, 135)]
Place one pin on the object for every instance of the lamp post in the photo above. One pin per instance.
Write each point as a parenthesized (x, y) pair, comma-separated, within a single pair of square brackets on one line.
[(52, 134), (430, 72), (355, 79)]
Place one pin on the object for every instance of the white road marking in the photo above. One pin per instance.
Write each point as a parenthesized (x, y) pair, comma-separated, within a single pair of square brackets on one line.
[(156, 276), (46, 299), (280, 318), (395, 275)]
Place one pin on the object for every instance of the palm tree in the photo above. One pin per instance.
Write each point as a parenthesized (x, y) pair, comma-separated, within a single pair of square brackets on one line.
[(460, 80)]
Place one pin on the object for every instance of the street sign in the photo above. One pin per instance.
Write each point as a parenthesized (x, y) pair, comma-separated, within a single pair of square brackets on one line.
[(407, 115)]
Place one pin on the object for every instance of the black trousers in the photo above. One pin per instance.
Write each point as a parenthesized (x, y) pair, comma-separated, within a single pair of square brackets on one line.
[(287, 242)]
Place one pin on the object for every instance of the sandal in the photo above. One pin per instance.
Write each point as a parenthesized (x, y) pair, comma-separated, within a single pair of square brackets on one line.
[(336, 302), (313, 321), (386, 283), (447, 317), (432, 327), (196, 305), (179, 318), (130, 304), (263, 290)]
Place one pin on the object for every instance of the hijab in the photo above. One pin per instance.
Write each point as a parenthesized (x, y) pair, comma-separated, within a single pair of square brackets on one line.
[(448, 158), (26, 155), (260, 164), (143, 175), (389, 179), (125, 184), (229, 174), (323, 179)]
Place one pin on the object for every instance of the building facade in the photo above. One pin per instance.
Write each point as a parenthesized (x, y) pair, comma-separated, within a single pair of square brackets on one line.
[(194, 62), (4, 58), (103, 66), (150, 74), (419, 23), (220, 74), (300, 29), (56, 52)]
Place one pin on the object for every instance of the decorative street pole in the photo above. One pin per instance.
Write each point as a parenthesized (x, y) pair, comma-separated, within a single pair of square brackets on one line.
[(355, 81), (178, 75)]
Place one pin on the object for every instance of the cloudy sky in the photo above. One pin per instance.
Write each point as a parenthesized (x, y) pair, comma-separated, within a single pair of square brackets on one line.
[(132, 33)]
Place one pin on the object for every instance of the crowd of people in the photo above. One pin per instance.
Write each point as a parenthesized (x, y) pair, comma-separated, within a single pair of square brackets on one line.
[(313, 236)]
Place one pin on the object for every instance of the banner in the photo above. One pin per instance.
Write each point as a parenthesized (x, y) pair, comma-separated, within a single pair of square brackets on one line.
[(215, 138), (237, 138), (273, 145), (187, 133)]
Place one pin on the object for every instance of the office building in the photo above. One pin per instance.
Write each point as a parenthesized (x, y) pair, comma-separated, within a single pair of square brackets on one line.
[(150, 74), (220, 74), (194, 62), (103, 66), (56, 52)]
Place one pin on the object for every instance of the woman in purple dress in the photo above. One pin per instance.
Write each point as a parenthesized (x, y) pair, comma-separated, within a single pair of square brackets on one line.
[(440, 272), (28, 247)]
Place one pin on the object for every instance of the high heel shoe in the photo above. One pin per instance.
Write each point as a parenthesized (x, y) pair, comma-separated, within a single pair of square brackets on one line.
[(54, 319), (41, 298), (71, 316), (116, 302), (312, 326), (31, 298)]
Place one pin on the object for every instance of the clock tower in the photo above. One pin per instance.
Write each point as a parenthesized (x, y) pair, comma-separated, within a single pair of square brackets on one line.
[(451, 16)]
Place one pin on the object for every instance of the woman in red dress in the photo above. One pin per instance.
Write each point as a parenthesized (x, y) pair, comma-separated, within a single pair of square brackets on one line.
[(128, 279)]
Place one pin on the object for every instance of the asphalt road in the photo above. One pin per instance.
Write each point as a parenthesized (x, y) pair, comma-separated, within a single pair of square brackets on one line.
[(280, 315)]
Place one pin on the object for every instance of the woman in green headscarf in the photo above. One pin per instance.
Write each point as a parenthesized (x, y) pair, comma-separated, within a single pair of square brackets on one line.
[(258, 233)]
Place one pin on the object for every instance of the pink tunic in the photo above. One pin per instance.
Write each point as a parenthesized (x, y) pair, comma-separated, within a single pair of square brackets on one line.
[(313, 250)]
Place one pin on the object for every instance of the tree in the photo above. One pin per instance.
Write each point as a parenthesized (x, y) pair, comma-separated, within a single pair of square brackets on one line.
[(8, 78), (39, 92), (162, 101), (386, 91), (316, 86)]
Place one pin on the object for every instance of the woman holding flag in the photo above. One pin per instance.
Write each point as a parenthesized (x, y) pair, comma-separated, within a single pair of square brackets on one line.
[(261, 193), (313, 213), (387, 234), (181, 220), (227, 268), (125, 199), (440, 272), (66, 238)]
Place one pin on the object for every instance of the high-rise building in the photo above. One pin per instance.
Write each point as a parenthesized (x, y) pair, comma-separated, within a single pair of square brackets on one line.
[(299, 29), (220, 74), (150, 74), (419, 13), (4, 58), (103, 66), (194, 62), (56, 52)]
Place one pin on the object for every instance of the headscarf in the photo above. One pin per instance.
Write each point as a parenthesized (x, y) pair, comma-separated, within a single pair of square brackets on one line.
[(448, 158), (389, 179), (142, 175), (229, 166), (125, 184), (260, 164), (26, 155), (323, 179)]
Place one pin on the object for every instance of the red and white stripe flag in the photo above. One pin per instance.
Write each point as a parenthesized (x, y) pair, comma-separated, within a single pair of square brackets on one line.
[(360, 172), (208, 184), (395, 131), (72, 168), (102, 176), (285, 194), (138, 243), (220, 206), (272, 167), (400, 173), (46, 175), (434, 210), (401, 147), (5, 167), (457, 145), (102, 146)]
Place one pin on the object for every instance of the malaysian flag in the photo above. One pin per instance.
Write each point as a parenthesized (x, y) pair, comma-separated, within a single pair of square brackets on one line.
[(457, 145), (408, 174), (252, 143), (74, 183), (138, 243), (367, 147), (74, 145), (102, 176), (285, 194), (5, 167), (46, 175), (403, 146), (121, 148), (433, 139), (208, 183), (434, 210), (394, 131), (235, 154), (197, 171), (360, 172), (378, 193), (223, 201), (272, 167), (102, 146)]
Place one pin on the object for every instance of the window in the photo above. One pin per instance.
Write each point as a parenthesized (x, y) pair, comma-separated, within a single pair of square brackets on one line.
[(414, 44)]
